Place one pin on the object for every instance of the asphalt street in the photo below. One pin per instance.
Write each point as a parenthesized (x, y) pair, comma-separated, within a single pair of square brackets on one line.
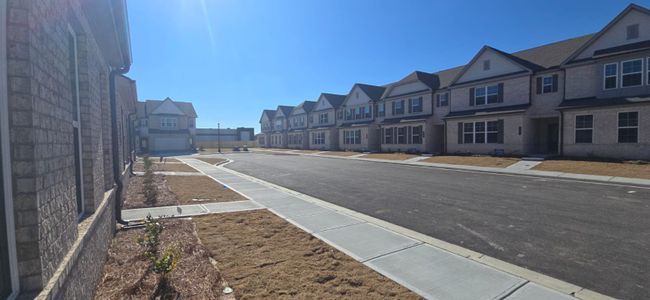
[(590, 234)]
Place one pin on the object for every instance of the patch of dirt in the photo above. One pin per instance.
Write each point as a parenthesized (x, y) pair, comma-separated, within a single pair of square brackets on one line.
[(212, 160), (340, 153), (135, 193), (166, 167), (479, 161), (390, 156), (200, 189), (622, 169), (127, 274), (264, 257)]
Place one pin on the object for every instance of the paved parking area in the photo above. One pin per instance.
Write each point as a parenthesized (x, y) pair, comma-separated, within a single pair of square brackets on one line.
[(590, 234)]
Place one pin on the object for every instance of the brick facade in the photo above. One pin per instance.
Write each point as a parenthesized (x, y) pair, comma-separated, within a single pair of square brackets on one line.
[(41, 108)]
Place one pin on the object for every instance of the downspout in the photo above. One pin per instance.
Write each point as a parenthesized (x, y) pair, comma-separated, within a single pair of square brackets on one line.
[(119, 187), (131, 143)]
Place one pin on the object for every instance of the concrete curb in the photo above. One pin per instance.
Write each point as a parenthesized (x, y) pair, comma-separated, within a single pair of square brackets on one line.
[(531, 276), (638, 182)]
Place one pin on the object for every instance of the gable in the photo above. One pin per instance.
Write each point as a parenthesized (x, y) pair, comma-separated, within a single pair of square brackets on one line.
[(357, 96), (408, 88), (322, 104), (298, 111), (615, 33), (499, 65), (264, 118), (167, 107)]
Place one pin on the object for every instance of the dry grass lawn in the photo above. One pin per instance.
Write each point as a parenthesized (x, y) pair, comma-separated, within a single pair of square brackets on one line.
[(165, 167), (262, 256), (200, 189), (390, 156), (308, 151), (212, 160), (633, 170), (479, 161), (340, 153)]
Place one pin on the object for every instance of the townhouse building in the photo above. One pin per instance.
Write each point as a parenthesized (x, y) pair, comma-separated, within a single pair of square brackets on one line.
[(266, 128), (357, 120), (299, 120), (278, 134), (66, 141), (323, 133), (166, 126), (587, 96), (406, 113)]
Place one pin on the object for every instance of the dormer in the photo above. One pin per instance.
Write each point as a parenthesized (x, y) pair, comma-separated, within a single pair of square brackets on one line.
[(628, 32), (410, 96), (325, 110), (359, 103), (491, 63)]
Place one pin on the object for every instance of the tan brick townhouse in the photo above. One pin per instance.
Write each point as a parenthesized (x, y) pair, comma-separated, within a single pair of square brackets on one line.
[(323, 133), (587, 96), (66, 118), (299, 120), (165, 126)]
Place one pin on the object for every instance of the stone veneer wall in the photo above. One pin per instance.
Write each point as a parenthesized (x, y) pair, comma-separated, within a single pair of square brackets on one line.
[(48, 230)]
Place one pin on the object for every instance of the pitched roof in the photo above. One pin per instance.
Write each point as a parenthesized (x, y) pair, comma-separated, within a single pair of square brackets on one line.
[(446, 76), (596, 102), (269, 113), (285, 109), (186, 107), (552, 55), (489, 110), (334, 99), (373, 91), (429, 79), (307, 106)]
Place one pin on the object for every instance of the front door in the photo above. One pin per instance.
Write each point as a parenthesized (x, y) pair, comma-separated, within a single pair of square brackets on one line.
[(552, 137)]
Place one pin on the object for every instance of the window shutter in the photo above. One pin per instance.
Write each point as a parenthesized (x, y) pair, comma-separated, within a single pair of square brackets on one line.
[(383, 135), (471, 97), (409, 138), (500, 131), (500, 93), (438, 100), (539, 85), (555, 79), (392, 110), (460, 132), (410, 105)]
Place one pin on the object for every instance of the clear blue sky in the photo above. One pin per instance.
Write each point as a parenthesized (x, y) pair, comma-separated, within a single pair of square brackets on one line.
[(233, 58)]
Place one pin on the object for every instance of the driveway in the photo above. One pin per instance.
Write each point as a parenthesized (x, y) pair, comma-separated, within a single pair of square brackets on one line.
[(593, 235)]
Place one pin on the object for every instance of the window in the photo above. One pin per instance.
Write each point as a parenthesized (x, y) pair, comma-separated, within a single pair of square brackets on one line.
[(401, 135), (388, 135), (318, 138), (144, 122), (492, 132), (648, 70), (486, 95), (76, 117), (547, 84), (416, 105), (468, 133), (610, 80), (486, 65), (631, 73), (340, 114), (479, 133), (351, 137), (416, 135), (628, 127), (632, 31), (398, 107), (584, 129), (382, 109), (357, 136), (167, 123), (442, 99), (322, 118)]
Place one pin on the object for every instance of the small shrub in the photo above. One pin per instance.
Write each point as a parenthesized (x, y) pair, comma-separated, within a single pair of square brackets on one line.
[(150, 191), (160, 264)]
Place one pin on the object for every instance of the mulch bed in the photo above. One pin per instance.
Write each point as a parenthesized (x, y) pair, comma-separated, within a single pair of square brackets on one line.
[(127, 274), (623, 169), (135, 193), (200, 189), (479, 161), (264, 257)]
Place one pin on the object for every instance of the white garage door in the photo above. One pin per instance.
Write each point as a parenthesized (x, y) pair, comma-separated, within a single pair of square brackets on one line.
[(170, 144)]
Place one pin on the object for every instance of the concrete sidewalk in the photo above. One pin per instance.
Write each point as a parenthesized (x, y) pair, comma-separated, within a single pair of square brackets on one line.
[(431, 268), (514, 171)]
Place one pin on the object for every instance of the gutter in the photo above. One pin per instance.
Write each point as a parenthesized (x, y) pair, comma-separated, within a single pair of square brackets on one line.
[(117, 177)]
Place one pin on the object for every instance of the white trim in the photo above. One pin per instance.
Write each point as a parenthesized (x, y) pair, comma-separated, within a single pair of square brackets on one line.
[(6, 161), (77, 123), (605, 77), (638, 125), (640, 72), (544, 77), (576, 129)]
